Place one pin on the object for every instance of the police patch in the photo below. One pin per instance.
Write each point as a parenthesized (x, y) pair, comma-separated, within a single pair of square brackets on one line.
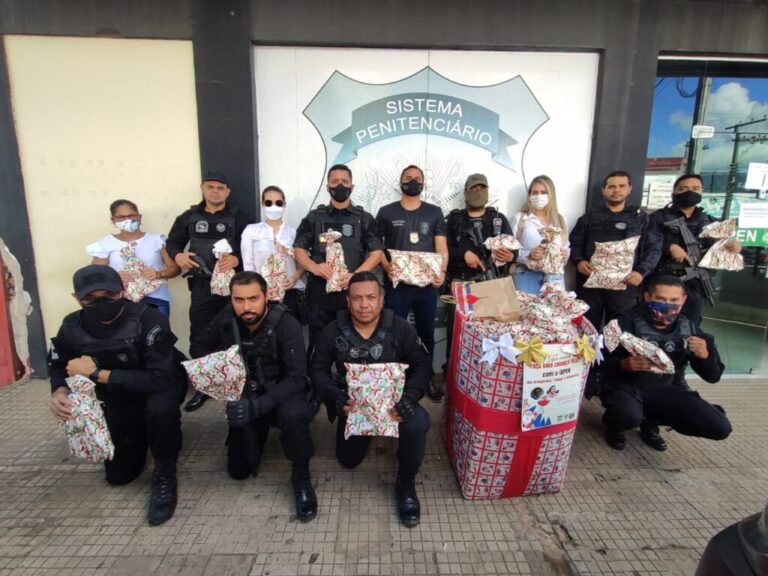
[(424, 228), (201, 227), (669, 346), (152, 335), (221, 227), (347, 230), (621, 225), (123, 357)]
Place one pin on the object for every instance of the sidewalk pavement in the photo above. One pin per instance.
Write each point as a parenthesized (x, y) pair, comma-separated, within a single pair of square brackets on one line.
[(636, 512)]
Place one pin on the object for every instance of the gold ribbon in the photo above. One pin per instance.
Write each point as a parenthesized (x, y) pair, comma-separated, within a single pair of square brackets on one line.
[(531, 352), (585, 349)]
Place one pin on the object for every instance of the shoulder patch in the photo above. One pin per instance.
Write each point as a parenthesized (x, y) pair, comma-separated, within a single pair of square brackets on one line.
[(153, 334)]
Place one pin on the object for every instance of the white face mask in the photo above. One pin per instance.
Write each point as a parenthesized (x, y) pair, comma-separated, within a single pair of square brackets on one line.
[(128, 225), (273, 212), (539, 201)]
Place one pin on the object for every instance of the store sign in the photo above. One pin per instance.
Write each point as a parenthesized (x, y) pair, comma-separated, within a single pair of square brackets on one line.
[(753, 224), (757, 176), (701, 131)]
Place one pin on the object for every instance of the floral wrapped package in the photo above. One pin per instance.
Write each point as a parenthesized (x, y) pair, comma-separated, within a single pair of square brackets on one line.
[(415, 268), (612, 263), (613, 337), (502, 241), (220, 280), (718, 257), (138, 287), (334, 257), (555, 256), (375, 388), (220, 375), (275, 272), (86, 429)]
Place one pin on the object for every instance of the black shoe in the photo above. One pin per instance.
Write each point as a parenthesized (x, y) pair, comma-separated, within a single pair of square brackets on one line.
[(435, 392), (616, 440), (408, 507), (164, 493), (650, 435), (306, 501), (195, 402)]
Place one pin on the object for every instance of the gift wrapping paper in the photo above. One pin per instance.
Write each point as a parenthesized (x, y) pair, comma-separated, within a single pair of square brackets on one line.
[(613, 337), (718, 257), (220, 375), (555, 256), (611, 263), (275, 272), (138, 287), (505, 241), (415, 268), (375, 388), (334, 257), (86, 429), (219, 279)]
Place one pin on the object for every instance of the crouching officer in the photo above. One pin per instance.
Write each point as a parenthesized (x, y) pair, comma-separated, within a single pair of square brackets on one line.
[(634, 396), (366, 334), (126, 349), (272, 345)]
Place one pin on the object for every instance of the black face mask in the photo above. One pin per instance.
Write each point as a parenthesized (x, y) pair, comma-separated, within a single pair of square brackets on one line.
[(686, 199), (103, 310), (412, 188), (340, 193)]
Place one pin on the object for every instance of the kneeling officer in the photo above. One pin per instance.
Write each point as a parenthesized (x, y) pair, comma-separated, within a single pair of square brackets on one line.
[(272, 345), (126, 349), (366, 334)]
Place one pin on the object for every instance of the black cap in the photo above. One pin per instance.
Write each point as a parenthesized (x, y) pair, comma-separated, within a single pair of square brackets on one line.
[(96, 277), (218, 176)]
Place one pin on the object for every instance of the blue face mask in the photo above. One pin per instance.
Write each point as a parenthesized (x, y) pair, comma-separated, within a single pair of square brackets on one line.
[(662, 313)]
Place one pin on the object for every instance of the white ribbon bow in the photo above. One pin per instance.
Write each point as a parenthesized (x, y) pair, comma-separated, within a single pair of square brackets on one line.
[(504, 346), (598, 344)]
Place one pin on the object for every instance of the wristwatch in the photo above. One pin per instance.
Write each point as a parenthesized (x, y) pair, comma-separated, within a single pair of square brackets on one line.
[(94, 377)]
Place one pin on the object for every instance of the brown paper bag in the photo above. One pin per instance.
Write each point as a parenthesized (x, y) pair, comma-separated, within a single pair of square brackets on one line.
[(492, 299)]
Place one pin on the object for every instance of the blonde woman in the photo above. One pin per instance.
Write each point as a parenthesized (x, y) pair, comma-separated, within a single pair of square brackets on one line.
[(539, 211)]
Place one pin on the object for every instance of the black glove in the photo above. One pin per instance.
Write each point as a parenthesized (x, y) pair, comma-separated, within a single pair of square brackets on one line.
[(406, 407), (240, 412), (341, 401)]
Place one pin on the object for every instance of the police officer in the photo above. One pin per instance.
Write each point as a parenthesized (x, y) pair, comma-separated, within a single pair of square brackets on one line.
[(126, 349), (687, 192), (272, 344), (200, 228), (613, 221), (633, 394), (367, 334), (359, 239)]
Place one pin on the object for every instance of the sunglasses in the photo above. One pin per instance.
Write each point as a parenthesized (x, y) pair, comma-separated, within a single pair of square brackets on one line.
[(269, 203)]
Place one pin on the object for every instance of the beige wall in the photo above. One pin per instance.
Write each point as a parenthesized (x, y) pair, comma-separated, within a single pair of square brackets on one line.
[(97, 120)]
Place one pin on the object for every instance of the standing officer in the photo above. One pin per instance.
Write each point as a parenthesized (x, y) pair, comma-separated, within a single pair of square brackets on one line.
[(359, 239), (633, 395), (126, 349), (366, 334), (687, 192), (613, 221), (201, 227), (272, 345)]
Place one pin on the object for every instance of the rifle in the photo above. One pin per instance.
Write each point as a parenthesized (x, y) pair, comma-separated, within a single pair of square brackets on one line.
[(694, 257), (250, 435), (202, 271), (491, 272)]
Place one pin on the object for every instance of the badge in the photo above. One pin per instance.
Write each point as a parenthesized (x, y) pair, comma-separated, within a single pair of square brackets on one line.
[(201, 227), (414, 237), (424, 227), (496, 226), (376, 351), (221, 227), (669, 347), (347, 230), (621, 225)]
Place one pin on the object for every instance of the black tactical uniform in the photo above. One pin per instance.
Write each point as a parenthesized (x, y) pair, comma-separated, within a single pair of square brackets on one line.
[(358, 239), (603, 225), (629, 397)]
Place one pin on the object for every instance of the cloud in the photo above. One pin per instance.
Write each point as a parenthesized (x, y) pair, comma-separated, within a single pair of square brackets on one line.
[(681, 120)]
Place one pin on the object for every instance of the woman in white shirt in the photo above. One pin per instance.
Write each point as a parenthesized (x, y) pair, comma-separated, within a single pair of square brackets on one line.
[(149, 248), (259, 240), (539, 211)]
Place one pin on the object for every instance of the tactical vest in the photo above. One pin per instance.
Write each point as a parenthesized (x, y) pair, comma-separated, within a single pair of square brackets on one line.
[(465, 222), (695, 224), (206, 229), (674, 343), (351, 347), (261, 351), (607, 226), (351, 228)]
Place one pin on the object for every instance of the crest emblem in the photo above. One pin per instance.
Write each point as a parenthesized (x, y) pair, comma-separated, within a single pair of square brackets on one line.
[(201, 227), (621, 225), (347, 230), (669, 346), (376, 351), (221, 227), (424, 228), (123, 357)]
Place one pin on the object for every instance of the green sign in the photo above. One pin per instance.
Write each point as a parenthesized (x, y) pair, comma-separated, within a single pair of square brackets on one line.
[(752, 236)]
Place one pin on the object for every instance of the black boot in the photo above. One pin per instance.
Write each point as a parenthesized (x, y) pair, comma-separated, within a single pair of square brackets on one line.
[(408, 507), (163, 496), (306, 501), (649, 433), (195, 402), (436, 392), (615, 439)]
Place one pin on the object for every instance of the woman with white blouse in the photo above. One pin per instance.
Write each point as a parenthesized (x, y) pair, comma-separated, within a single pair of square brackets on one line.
[(259, 242), (149, 248), (539, 211)]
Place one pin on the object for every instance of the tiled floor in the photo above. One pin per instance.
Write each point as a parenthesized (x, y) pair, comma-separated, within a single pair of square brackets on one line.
[(633, 512)]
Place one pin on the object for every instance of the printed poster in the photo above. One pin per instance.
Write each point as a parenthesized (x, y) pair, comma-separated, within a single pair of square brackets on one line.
[(551, 393)]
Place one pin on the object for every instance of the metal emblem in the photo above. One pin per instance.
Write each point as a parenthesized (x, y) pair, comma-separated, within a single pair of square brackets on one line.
[(669, 346), (221, 227), (201, 227), (341, 344), (496, 226), (347, 230), (621, 225), (414, 237), (376, 351)]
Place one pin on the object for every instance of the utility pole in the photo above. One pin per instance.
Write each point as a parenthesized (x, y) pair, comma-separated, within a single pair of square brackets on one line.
[(737, 139)]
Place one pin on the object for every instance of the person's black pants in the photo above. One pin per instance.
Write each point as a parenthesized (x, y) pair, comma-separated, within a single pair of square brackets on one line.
[(682, 409), (203, 307), (607, 304), (137, 422), (323, 308), (410, 447), (292, 417)]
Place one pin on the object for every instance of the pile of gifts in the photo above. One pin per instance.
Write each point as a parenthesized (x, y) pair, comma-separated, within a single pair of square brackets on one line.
[(718, 257), (374, 388), (86, 429), (138, 286), (415, 268)]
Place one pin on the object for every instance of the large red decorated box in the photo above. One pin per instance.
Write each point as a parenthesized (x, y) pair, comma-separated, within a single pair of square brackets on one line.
[(492, 455)]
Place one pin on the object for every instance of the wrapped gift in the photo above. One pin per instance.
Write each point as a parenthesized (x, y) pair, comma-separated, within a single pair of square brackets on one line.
[(275, 272), (86, 429), (492, 455), (718, 257), (550, 314), (220, 279), (334, 257), (555, 256), (613, 337), (502, 241), (220, 375), (375, 388), (415, 268), (138, 287), (611, 263)]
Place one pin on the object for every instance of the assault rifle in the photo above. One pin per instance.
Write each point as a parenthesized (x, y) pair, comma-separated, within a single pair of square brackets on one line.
[(694, 257), (491, 272), (250, 389)]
